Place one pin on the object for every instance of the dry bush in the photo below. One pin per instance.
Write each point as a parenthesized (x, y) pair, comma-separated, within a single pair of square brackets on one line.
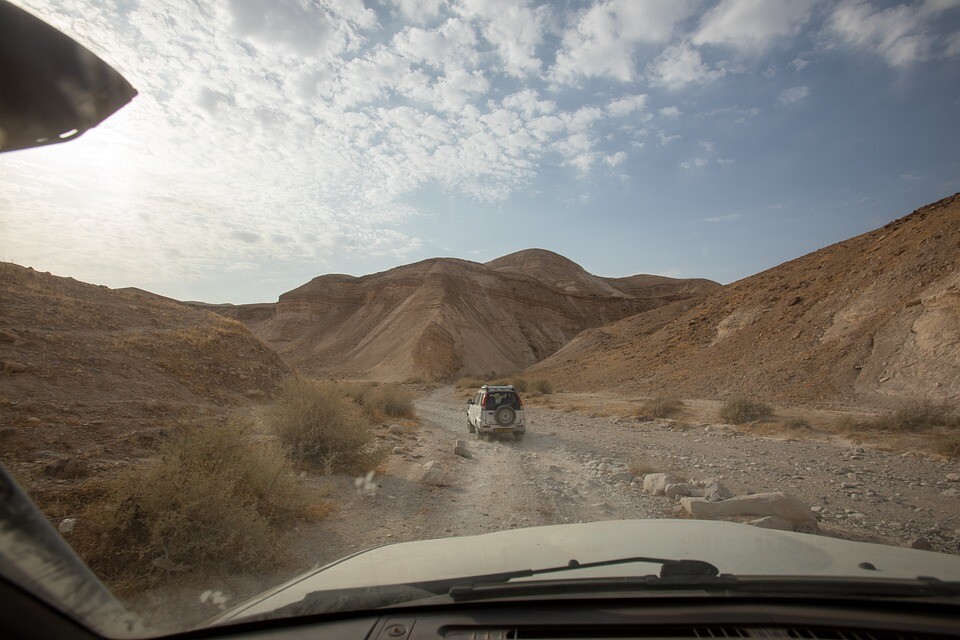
[(387, 401), (541, 385), (915, 416), (414, 380), (947, 443), (641, 465), (212, 499), (797, 423), (321, 425), (469, 382), (660, 407), (740, 409), (354, 390)]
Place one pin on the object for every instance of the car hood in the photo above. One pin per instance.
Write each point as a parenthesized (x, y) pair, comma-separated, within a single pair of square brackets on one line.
[(733, 548)]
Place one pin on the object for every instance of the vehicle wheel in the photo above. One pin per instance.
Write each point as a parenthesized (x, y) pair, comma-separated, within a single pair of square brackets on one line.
[(517, 437), (505, 416)]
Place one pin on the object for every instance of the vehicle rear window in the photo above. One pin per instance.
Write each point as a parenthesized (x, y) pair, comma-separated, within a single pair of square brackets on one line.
[(499, 398)]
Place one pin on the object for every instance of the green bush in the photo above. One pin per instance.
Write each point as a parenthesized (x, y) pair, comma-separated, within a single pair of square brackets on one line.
[(320, 425), (660, 407), (212, 499), (740, 409)]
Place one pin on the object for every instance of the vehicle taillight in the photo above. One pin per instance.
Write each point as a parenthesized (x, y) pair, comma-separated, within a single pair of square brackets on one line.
[(483, 401)]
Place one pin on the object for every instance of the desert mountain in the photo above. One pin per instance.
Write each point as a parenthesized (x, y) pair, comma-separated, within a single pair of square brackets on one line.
[(443, 317), (88, 370), (869, 320)]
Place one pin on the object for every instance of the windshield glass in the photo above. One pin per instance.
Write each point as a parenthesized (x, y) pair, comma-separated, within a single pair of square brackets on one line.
[(261, 318)]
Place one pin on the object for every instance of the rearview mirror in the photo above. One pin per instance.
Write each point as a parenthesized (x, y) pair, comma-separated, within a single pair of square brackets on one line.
[(51, 88), (470, 401)]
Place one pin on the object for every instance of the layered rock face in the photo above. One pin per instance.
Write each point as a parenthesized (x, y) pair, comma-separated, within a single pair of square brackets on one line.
[(871, 320), (445, 317)]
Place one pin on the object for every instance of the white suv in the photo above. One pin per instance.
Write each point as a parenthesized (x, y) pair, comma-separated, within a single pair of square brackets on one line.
[(496, 410)]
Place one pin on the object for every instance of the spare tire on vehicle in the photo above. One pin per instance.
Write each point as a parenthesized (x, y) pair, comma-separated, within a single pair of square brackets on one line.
[(505, 416)]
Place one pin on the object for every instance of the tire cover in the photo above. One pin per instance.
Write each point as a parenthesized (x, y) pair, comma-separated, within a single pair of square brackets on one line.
[(505, 415)]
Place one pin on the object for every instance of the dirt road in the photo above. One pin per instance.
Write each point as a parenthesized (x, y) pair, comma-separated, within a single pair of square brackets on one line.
[(565, 469)]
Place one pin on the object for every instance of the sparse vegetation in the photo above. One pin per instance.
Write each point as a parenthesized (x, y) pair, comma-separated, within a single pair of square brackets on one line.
[(797, 423), (541, 385), (212, 498), (660, 407), (740, 409), (321, 425), (641, 465), (414, 380), (947, 443), (387, 401), (912, 417), (468, 382)]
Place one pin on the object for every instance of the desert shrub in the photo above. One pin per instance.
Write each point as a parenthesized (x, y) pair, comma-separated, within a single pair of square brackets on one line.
[(641, 465), (354, 390), (468, 382), (387, 400), (740, 409), (797, 423), (213, 498), (660, 407), (320, 425), (414, 380), (947, 443), (917, 415), (541, 385)]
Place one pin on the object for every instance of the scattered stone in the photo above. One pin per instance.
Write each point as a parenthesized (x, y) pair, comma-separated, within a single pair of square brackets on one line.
[(920, 543), (460, 448), (34, 420), (716, 491), (398, 450), (656, 483), (773, 522), (67, 525), (7, 336), (950, 493), (761, 504), (11, 367), (396, 429), (621, 476), (65, 468), (435, 477), (953, 477), (678, 490), (255, 394)]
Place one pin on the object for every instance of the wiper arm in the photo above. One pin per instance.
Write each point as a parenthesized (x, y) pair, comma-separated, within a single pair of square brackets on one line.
[(671, 571)]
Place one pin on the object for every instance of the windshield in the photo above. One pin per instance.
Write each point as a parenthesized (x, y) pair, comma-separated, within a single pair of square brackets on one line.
[(266, 316)]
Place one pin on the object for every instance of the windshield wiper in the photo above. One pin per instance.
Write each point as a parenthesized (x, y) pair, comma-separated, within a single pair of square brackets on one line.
[(671, 572)]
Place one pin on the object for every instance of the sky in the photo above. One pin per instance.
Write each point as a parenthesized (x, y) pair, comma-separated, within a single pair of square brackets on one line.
[(276, 140)]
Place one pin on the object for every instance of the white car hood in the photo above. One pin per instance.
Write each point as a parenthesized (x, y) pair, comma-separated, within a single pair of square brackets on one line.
[(733, 548)]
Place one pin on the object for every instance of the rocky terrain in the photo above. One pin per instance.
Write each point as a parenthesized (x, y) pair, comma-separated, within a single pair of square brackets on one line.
[(873, 320), (93, 377), (441, 318)]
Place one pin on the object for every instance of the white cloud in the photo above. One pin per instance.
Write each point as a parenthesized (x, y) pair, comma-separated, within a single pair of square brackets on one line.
[(696, 162), (753, 23), (670, 112), (799, 64), (724, 218), (682, 65), (627, 105), (513, 28), (604, 40), (663, 139), (615, 159), (902, 34), (419, 11), (793, 95)]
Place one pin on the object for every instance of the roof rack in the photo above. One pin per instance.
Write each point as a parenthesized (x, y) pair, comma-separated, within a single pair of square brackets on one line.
[(498, 387)]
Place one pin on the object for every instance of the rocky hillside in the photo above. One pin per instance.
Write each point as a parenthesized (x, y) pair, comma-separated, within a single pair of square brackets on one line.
[(445, 317), (874, 319), (90, 374)]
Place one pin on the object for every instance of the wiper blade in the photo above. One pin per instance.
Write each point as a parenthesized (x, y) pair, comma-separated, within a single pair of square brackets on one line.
[(793, 586), (671, 571)]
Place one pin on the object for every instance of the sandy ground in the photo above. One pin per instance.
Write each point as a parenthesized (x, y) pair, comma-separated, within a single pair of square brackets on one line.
[(552, 477)]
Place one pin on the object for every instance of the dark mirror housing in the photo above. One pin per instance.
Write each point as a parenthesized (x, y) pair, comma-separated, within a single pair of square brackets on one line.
[(51, 88)]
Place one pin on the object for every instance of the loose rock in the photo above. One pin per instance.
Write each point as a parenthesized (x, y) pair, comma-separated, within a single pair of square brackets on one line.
[(11, 367), (656, 483), (760, 504)]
